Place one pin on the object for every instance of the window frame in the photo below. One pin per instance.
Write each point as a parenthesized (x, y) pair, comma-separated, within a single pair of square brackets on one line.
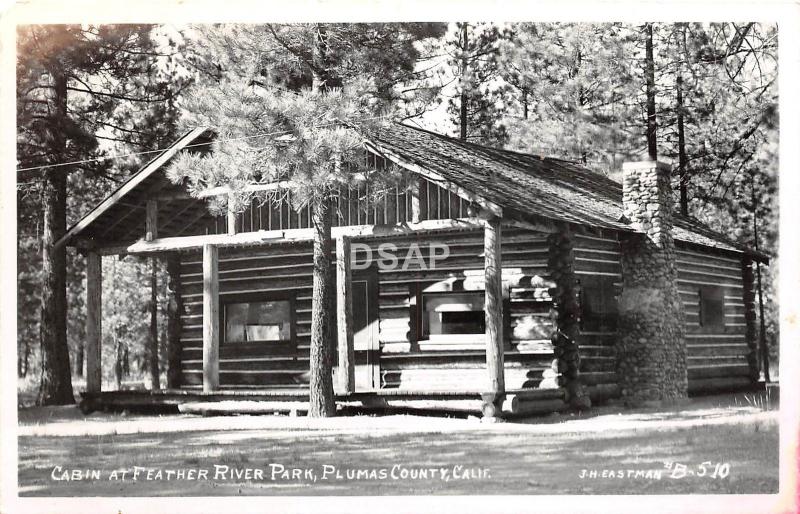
[(426, 336), (258, 297)]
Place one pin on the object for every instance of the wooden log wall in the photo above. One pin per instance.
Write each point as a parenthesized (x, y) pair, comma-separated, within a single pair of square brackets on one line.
[(598, 255), (280, 270), (717, 359), (405, 362), (716, 356), (409, 363)]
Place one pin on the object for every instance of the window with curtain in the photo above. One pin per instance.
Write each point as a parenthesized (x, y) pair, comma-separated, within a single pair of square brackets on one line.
[(268, 321)]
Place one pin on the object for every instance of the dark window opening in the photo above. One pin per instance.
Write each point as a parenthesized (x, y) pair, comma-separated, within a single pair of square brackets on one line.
[(453, 315), (712, 307), (467, 322), (598, 304)]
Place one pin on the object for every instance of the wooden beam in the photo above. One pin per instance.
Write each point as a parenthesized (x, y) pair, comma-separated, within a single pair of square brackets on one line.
[(344, 316), (151, 221), (210, 318), (265, 237), (174, 310), (415, 209), (94, 322), (224, 190), (548, 228), (493, 267), (152, 351), (231, 216)]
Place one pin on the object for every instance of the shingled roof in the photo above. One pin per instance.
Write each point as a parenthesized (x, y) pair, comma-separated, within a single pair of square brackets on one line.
[(556, 189)]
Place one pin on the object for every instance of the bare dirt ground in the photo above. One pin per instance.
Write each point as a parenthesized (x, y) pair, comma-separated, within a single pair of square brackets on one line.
[(728, 444)]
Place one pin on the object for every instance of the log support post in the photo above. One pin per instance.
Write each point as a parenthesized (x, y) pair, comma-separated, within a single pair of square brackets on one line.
[(415, 206), (94, 322), (151, 220), (231, 216), (566, 317), (210, 318), (344, 316), (495, 393), (152, 353), (174, 310), (749, 299)]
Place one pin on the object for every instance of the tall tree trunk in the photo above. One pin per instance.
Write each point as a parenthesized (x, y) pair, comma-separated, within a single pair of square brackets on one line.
[(55, 387), (321, 400), (762, 340), (152, 353), (684, 202), (464, 78), (650, 78), (321, 359), (682, 171)]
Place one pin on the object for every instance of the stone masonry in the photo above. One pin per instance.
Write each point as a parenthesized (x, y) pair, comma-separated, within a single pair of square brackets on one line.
[(651, 350)]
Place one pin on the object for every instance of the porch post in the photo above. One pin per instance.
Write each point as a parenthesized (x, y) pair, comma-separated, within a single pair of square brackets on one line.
[(174, 309), (231, 216), (493, 266), (415, 208), (94, 321), (344, 316), (151, 220), (210, 319)]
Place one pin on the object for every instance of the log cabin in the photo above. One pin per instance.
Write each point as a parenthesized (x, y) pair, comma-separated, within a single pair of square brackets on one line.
[(492, 281)]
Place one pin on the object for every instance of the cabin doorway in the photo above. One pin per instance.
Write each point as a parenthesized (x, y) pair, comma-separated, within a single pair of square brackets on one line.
[(364, 290)]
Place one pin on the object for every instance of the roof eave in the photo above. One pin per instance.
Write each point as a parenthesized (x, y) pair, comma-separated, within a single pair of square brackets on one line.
[(130, 184)]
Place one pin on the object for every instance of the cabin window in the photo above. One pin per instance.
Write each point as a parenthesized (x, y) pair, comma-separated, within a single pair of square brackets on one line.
[(453, 316), (257, 320), (598, 304), (712, 307)]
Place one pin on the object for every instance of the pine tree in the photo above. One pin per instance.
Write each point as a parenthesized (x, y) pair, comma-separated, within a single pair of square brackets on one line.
[(476, 107), (569, 86), (70, 81), (293, 102)]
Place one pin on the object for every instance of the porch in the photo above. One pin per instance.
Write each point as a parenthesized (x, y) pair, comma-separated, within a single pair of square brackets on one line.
[(517, 402)]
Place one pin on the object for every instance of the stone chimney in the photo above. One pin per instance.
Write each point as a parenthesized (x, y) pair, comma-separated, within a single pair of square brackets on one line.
[(651, 353)]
